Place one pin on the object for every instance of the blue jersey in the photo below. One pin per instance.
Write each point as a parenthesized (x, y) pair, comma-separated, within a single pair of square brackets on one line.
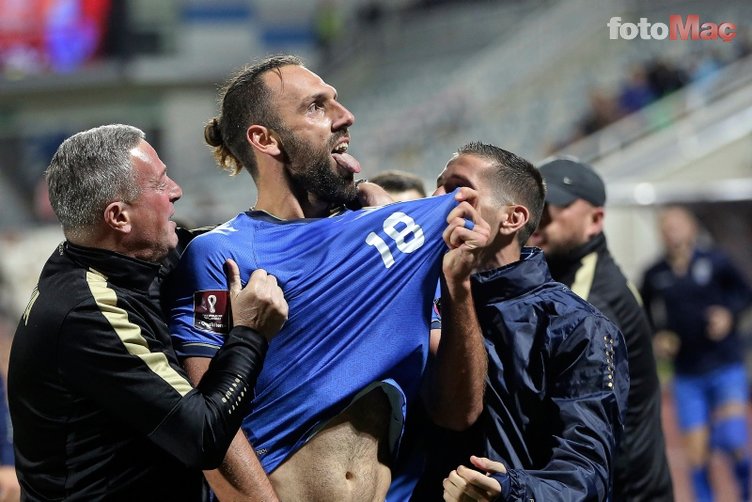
[(359, 286)]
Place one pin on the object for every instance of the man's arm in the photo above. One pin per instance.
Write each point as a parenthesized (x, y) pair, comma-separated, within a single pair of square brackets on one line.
[(589, 408), (589, 380), (456, 375), (111, 357), (10, 490), (240, 476)]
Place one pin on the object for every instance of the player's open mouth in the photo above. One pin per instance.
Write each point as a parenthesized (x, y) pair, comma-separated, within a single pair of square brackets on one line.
[(344, 159), (342, 147)]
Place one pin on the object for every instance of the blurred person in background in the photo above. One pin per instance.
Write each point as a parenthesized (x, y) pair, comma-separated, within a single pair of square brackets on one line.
[(572, 239), (327, 426), (603, 110), (557, 381), (693, 296), (400, 185), (101, 408), (10, 490), (635, 92)]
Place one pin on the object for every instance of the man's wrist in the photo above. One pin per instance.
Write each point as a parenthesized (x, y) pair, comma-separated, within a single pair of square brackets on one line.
[(505, 482), (458, 286)]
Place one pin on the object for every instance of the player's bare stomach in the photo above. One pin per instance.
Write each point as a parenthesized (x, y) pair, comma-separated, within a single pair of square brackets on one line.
[(345, 462)]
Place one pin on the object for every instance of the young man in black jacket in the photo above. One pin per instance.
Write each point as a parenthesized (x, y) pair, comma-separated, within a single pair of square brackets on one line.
[(557, 379), (572, 239)]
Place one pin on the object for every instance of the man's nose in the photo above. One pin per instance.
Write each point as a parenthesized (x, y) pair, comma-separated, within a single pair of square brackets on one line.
[(343, 117), (177, 192)]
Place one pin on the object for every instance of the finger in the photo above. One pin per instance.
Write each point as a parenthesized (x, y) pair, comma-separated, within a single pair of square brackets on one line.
[(462, 237), (259, 275), (467, 194), (468, 217), (446, 235), (281, 304), (453, 485), (463, 210), (276, 292), (371, 194), (475, 224), (466, 220), (258, 281), (461, 222), (232, 272), (451, 493), (478, 482), (488, 464), (469, 239), (468, 484), (267, 286)]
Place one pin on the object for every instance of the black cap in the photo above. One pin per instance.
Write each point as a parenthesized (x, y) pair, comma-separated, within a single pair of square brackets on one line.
[(568, 180)]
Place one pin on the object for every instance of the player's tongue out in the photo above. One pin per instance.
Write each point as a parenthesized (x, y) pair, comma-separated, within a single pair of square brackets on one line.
[(347, 162)]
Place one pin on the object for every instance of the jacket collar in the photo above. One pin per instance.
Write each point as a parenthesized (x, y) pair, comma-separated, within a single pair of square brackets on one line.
[(512, 280), (119, 269), (572, 259)]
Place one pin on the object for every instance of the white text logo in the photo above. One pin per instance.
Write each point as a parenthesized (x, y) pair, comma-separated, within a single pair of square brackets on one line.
[(676, 29)]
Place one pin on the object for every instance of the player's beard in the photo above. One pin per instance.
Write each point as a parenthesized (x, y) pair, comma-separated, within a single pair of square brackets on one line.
[(311, 169)]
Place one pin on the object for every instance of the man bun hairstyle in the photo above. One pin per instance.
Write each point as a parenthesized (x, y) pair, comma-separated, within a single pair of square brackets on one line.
[(212, 134)]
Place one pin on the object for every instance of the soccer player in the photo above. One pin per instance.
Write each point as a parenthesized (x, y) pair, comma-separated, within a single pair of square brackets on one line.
[(695, 295), (331, 399)]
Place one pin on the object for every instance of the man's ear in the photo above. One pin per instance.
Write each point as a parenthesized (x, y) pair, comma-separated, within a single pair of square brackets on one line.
[(516, 218), (117, 217), (595, 222), (264, 140)]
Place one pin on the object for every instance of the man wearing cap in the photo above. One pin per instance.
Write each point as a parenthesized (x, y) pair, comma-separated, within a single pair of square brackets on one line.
[(571, 236)]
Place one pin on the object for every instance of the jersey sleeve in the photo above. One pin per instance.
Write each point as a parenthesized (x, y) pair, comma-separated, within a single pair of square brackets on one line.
[(196, 299)]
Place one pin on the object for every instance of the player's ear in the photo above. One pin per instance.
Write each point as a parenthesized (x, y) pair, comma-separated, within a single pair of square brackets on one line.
[(516, 216), (264, 140)]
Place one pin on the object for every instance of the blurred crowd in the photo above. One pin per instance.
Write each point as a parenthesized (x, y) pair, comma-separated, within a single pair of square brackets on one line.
[(648, 82)]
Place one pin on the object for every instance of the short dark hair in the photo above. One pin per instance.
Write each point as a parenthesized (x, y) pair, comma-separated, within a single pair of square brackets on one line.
[(399, 181), (244, 100), (515, 181)]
